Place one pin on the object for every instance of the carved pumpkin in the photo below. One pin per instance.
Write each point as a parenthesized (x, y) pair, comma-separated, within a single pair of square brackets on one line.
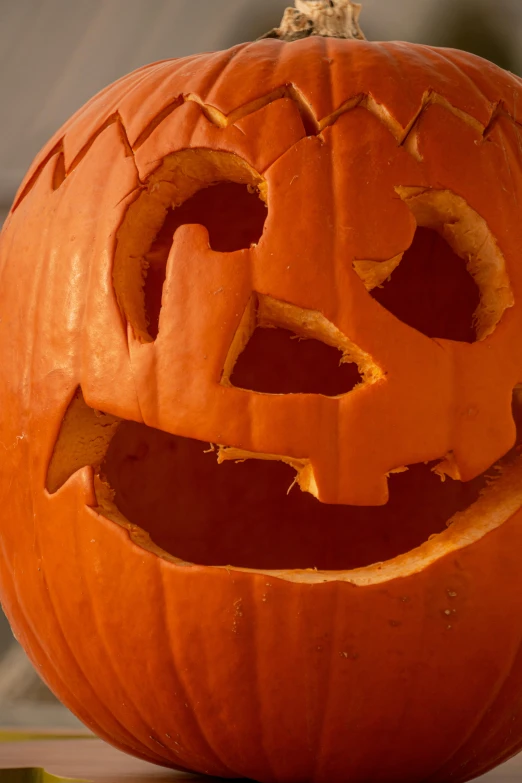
[(306, 598)]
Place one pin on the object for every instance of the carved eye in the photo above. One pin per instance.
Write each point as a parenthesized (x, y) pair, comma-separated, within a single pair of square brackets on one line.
[(218, 190), (432, 290), (234, 217), (451, 283)]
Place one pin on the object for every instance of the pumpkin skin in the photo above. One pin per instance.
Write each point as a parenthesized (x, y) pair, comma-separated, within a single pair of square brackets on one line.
[(410, 670)]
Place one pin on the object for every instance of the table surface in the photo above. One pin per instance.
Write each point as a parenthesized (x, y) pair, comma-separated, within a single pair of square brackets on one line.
[(24, 756)]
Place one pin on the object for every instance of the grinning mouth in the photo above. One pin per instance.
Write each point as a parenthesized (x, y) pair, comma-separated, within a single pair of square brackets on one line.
[(251, 514)]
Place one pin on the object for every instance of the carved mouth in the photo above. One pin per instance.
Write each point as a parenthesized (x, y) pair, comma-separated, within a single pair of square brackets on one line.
[(250, 514)]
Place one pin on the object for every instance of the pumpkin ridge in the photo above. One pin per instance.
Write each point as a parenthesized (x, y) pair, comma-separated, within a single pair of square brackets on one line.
[(487, 707), (108, 663), (177, 673), (47, 595), (334, 644), (76, 705), (144, 750)]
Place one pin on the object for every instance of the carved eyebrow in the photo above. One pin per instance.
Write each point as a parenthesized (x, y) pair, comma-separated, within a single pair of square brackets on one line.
[(313, 125)]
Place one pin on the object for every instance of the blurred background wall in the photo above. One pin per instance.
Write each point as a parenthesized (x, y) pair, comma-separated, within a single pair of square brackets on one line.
[(55, 54)]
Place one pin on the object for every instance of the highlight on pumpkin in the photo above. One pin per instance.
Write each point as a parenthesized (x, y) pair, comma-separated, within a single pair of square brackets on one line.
[(189, 502), (218, 190), (452, 282)]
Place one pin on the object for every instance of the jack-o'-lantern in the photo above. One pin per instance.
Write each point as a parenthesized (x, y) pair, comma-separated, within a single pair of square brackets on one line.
[(260, 336)]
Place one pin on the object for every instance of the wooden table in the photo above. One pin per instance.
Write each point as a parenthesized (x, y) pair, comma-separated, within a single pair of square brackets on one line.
[(23, 760)]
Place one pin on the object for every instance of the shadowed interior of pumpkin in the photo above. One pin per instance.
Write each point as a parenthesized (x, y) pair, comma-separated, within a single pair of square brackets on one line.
[(217, 207), (245, 514), (432, 290), (251, 514)]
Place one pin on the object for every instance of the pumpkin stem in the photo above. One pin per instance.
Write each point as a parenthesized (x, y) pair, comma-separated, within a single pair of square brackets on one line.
[(329, 18)]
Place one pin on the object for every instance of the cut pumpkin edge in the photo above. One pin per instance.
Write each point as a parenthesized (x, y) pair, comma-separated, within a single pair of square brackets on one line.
[(498, 503)]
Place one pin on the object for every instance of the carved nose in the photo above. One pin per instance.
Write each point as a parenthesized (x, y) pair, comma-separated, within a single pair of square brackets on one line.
[(263, 357), (280, 348)]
